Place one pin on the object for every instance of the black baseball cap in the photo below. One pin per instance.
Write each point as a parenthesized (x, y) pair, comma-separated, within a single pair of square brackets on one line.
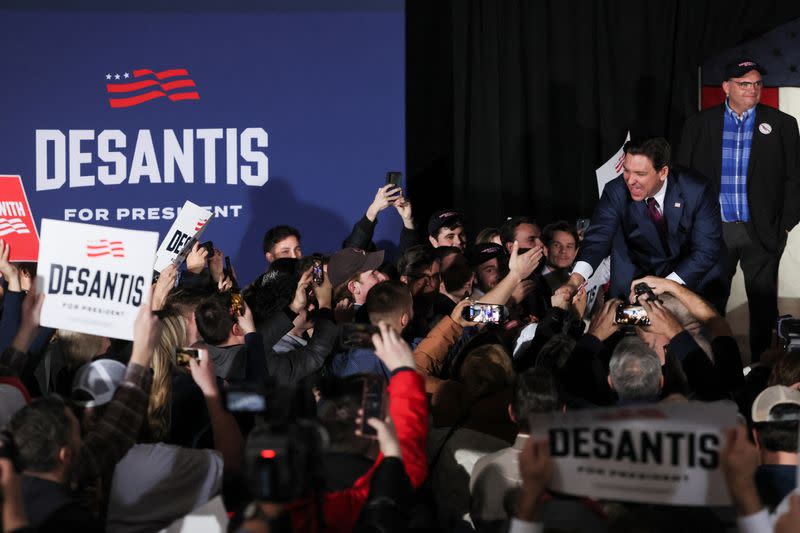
[(348, 262), (446, 218), (486, 251), (739, 68)]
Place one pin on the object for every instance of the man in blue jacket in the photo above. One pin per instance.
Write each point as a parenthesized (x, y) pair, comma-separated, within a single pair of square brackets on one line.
[(654, 219)]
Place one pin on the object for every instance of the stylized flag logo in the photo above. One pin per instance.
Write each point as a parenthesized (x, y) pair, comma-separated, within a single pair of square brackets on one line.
[(151, 85), (200, 224), (618, 166), (12, 225), (105, 247)]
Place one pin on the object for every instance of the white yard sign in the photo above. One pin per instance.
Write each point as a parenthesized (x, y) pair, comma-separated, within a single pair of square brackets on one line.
[(94, 277), (190, 223), (665, 454)]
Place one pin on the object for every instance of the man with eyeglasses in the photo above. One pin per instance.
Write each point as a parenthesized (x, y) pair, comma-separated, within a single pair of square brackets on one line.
[(751, 153)]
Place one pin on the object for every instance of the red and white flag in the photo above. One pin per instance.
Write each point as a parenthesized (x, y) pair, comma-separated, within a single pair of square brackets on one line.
[(104, 247), (611, 168), (174, 84), (17, 227)]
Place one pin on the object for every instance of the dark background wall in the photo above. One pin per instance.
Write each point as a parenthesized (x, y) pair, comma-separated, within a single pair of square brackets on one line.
[(512, 105)]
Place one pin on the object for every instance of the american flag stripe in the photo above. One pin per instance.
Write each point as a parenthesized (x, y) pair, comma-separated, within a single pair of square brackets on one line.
[(105, 247), (163, 74), (135, 86), (160, 90), (12, 225)]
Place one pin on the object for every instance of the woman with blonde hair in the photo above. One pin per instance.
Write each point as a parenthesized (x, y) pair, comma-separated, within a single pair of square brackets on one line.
[(159, 408)]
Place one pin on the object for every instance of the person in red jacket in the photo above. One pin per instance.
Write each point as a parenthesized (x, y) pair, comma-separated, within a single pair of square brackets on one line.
[(408, 410)]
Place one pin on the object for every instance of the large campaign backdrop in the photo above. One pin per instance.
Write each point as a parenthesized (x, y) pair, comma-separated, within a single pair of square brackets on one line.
[(265, 112)]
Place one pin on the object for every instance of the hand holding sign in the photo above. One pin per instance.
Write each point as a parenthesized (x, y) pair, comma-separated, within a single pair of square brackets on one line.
[(536, 471), (196, 260), (9, 271), (740, 459), (165, 283)]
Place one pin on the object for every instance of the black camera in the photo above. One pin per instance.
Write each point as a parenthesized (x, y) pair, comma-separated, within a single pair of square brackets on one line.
[(789, 333), (284, 463)]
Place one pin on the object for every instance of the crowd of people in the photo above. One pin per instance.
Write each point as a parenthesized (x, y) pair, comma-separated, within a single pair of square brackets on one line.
[(349, 392)]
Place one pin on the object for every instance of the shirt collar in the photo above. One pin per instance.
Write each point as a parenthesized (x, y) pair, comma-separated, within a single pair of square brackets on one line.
[(745, 115), (659, 196)]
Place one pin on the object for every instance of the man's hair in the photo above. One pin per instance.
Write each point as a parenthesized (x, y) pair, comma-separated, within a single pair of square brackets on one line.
[(562, 225), (39, 431), (388, 299), (635, 370), (656, 149), (457, 274), (786, 370), (508, 229), (779, 436), (416, 260), (275, 235), (534, 392), (214, 319), (78, 348), (182, 300), (486, 369), (269, 293), (486, 235)]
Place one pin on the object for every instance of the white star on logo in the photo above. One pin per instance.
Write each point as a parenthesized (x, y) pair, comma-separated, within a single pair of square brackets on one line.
[(126, 75), (108, 76), (116, 76)]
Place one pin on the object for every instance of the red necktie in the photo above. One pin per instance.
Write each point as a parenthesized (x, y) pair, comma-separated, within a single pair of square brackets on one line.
[(657, 218)]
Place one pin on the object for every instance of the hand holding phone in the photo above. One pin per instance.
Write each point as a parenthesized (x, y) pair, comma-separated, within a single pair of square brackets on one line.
[(373, 405)]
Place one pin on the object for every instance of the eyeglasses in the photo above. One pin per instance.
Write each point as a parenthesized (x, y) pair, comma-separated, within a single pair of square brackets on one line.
[(749, 84)]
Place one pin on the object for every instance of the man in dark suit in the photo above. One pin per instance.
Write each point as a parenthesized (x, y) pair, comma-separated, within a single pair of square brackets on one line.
[(653, 219), (751, 154)]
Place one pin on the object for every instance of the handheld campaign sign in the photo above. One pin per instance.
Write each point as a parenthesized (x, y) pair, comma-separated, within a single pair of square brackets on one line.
[(187, 228), (94, 277), (16, 221), (666, 454), (611, 168)]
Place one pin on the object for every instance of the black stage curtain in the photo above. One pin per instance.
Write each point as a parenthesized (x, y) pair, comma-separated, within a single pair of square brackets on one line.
[(511, 105)]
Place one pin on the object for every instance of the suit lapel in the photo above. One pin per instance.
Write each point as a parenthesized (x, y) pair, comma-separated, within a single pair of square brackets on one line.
[(672, 209), (756, 144), (648, 230)]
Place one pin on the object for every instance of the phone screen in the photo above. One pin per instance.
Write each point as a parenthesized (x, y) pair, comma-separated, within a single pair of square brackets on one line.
[(483, 313), (372, 404)]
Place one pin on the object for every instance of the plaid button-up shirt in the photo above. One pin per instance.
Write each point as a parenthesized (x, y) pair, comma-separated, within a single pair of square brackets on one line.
[(737, 137)]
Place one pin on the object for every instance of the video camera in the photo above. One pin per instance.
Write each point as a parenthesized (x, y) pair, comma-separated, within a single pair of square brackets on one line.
[(789, 333), (284, 451)]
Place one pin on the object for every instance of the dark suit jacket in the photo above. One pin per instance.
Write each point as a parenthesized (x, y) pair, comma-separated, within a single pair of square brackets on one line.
[(773, 171), (622, 228)]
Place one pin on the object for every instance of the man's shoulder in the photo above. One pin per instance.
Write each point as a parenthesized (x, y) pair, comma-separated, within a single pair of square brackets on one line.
[(688, 179), (770, 113), (705, 115)]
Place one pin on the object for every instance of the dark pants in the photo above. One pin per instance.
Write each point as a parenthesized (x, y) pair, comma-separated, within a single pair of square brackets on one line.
[(760, 269)]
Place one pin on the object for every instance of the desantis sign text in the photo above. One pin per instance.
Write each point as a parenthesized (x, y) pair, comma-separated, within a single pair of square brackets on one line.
[(263, 115)]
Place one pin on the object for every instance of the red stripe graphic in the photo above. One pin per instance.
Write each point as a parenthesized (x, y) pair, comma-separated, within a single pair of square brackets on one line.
[(200, 224), (129, 87), (163, 74), (184, 96), (618, 166), (135, 100), (105, 247), (12, 225)]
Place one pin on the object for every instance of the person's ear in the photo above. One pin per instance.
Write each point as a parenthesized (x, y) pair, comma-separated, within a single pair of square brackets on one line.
[(64, 454), (755, 439), (662, 174), (236, 331), (434, 243), (404, 279), (610, 384), (269, 257), (661, 382), (352, 286), (726, 87), (404, 320), (511, 414)]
